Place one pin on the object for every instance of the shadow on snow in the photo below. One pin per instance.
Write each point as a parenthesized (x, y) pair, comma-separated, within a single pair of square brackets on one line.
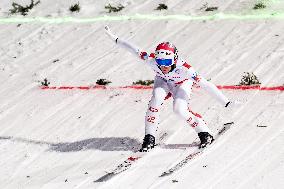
[(103, 144)]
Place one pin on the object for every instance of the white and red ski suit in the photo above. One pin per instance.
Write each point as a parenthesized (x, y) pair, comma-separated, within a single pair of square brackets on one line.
[(178, 83)]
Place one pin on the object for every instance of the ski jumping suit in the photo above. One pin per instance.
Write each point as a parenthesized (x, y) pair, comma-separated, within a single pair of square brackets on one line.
[(178, 83)]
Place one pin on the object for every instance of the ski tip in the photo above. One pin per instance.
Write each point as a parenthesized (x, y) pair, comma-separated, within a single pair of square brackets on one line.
[(105, 177), (164, 174)]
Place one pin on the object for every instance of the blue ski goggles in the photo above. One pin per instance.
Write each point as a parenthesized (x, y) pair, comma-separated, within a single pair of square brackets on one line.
[(164, 62)]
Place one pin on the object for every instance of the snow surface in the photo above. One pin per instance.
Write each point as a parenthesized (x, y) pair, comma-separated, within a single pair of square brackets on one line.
[(68, 139)]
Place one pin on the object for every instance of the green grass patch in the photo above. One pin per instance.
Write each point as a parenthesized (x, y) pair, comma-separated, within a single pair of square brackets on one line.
[(112, 8), (162, 7), (249, 79), (75, 8), (146, 82), (23, 10), (103, 82)]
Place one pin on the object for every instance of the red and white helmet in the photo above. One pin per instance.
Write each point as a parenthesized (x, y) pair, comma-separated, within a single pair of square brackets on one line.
[(166, 54)]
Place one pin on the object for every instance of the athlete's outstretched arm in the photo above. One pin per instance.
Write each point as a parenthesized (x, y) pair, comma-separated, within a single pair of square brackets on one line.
[(130, 47), (214, 91), (209, 87)]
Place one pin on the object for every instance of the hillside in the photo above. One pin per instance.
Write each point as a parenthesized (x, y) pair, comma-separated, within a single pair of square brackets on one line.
[(70, 138)]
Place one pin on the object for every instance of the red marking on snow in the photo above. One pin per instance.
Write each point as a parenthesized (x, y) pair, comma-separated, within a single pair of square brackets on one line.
[(100, 87), (135, 87), (255, 87), (84, 88), (140, 87), (133, 158), (66, 88), (45, 87)]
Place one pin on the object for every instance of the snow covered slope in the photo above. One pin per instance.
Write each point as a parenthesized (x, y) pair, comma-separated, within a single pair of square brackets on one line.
[(70, 138)]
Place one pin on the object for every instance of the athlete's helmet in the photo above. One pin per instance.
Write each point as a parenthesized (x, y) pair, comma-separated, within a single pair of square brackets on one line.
[(166, 54)]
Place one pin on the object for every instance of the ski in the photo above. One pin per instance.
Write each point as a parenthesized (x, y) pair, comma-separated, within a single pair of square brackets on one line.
[(195, 154), (126, 164)]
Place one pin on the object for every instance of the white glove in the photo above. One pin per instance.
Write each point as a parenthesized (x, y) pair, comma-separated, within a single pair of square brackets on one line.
[(113, 37)]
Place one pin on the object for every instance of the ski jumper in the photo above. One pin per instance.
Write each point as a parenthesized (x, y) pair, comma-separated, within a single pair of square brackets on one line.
[(178, 82)]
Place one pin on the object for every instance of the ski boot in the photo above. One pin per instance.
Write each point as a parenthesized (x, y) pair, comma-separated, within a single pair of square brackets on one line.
[(148, 143), (205, 139)]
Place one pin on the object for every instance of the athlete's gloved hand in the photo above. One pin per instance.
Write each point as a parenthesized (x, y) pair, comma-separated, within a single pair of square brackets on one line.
[(112, 36), (233, 104), (144, 55)]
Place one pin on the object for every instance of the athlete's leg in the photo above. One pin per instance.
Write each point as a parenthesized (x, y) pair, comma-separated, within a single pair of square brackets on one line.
[(181, 97), (153, 112)]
